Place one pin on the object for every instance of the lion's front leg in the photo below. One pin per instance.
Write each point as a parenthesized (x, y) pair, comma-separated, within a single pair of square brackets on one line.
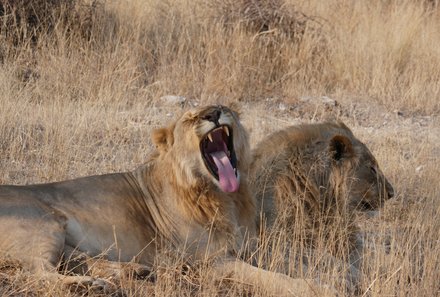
[(80, 263), (271, 283)]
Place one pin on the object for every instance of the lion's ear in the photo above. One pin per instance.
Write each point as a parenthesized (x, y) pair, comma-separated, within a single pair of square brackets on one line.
[(341, 147), (162, 138)]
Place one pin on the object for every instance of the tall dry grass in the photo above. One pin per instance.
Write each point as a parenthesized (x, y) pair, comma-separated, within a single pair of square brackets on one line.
[(80, 96), (386, 51)]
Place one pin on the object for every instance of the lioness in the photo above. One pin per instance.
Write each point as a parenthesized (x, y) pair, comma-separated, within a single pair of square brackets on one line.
[(309, 181), (192, 195)]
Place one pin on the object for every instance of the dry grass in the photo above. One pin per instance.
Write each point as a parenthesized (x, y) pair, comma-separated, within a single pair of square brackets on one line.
[(82, 98)]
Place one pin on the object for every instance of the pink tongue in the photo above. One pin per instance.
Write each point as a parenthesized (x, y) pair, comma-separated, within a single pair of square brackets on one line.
[(228, 180)]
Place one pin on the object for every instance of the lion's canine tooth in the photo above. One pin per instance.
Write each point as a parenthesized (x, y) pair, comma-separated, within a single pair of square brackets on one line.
[(210, 137), (226, 129)]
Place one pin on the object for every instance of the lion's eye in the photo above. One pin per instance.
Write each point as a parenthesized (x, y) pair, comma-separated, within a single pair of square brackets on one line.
[(373, 169)]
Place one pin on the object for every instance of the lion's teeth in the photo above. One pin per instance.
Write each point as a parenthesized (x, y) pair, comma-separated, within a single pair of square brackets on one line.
[(210, 137), (226, 129)]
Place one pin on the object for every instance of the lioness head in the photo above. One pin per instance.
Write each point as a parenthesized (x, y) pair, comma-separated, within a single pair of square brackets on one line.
[(320, 168), (367, 186), (354, 169), (205, 145)]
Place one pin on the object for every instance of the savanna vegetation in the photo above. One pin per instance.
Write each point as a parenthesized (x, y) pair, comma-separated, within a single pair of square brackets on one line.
[(84, 82)]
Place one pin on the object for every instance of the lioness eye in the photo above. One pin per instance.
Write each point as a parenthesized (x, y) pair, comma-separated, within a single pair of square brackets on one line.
[(373, 169)]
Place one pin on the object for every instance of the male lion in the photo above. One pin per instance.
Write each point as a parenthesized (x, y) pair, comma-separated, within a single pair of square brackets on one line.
[(310, 179), (191, 195)]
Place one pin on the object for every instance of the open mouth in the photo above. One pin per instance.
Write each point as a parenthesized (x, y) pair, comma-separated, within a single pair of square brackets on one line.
[(218, 153)]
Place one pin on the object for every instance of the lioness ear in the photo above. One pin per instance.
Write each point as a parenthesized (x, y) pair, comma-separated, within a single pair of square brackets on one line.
[(341, 147), (162, 138)]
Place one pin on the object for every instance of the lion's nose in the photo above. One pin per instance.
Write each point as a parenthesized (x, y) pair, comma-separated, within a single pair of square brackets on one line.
[(390, 191), (213, 116)]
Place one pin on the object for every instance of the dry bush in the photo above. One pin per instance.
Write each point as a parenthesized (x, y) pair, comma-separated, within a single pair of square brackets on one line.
[(30, 18), (26, 21), (261, 17)]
